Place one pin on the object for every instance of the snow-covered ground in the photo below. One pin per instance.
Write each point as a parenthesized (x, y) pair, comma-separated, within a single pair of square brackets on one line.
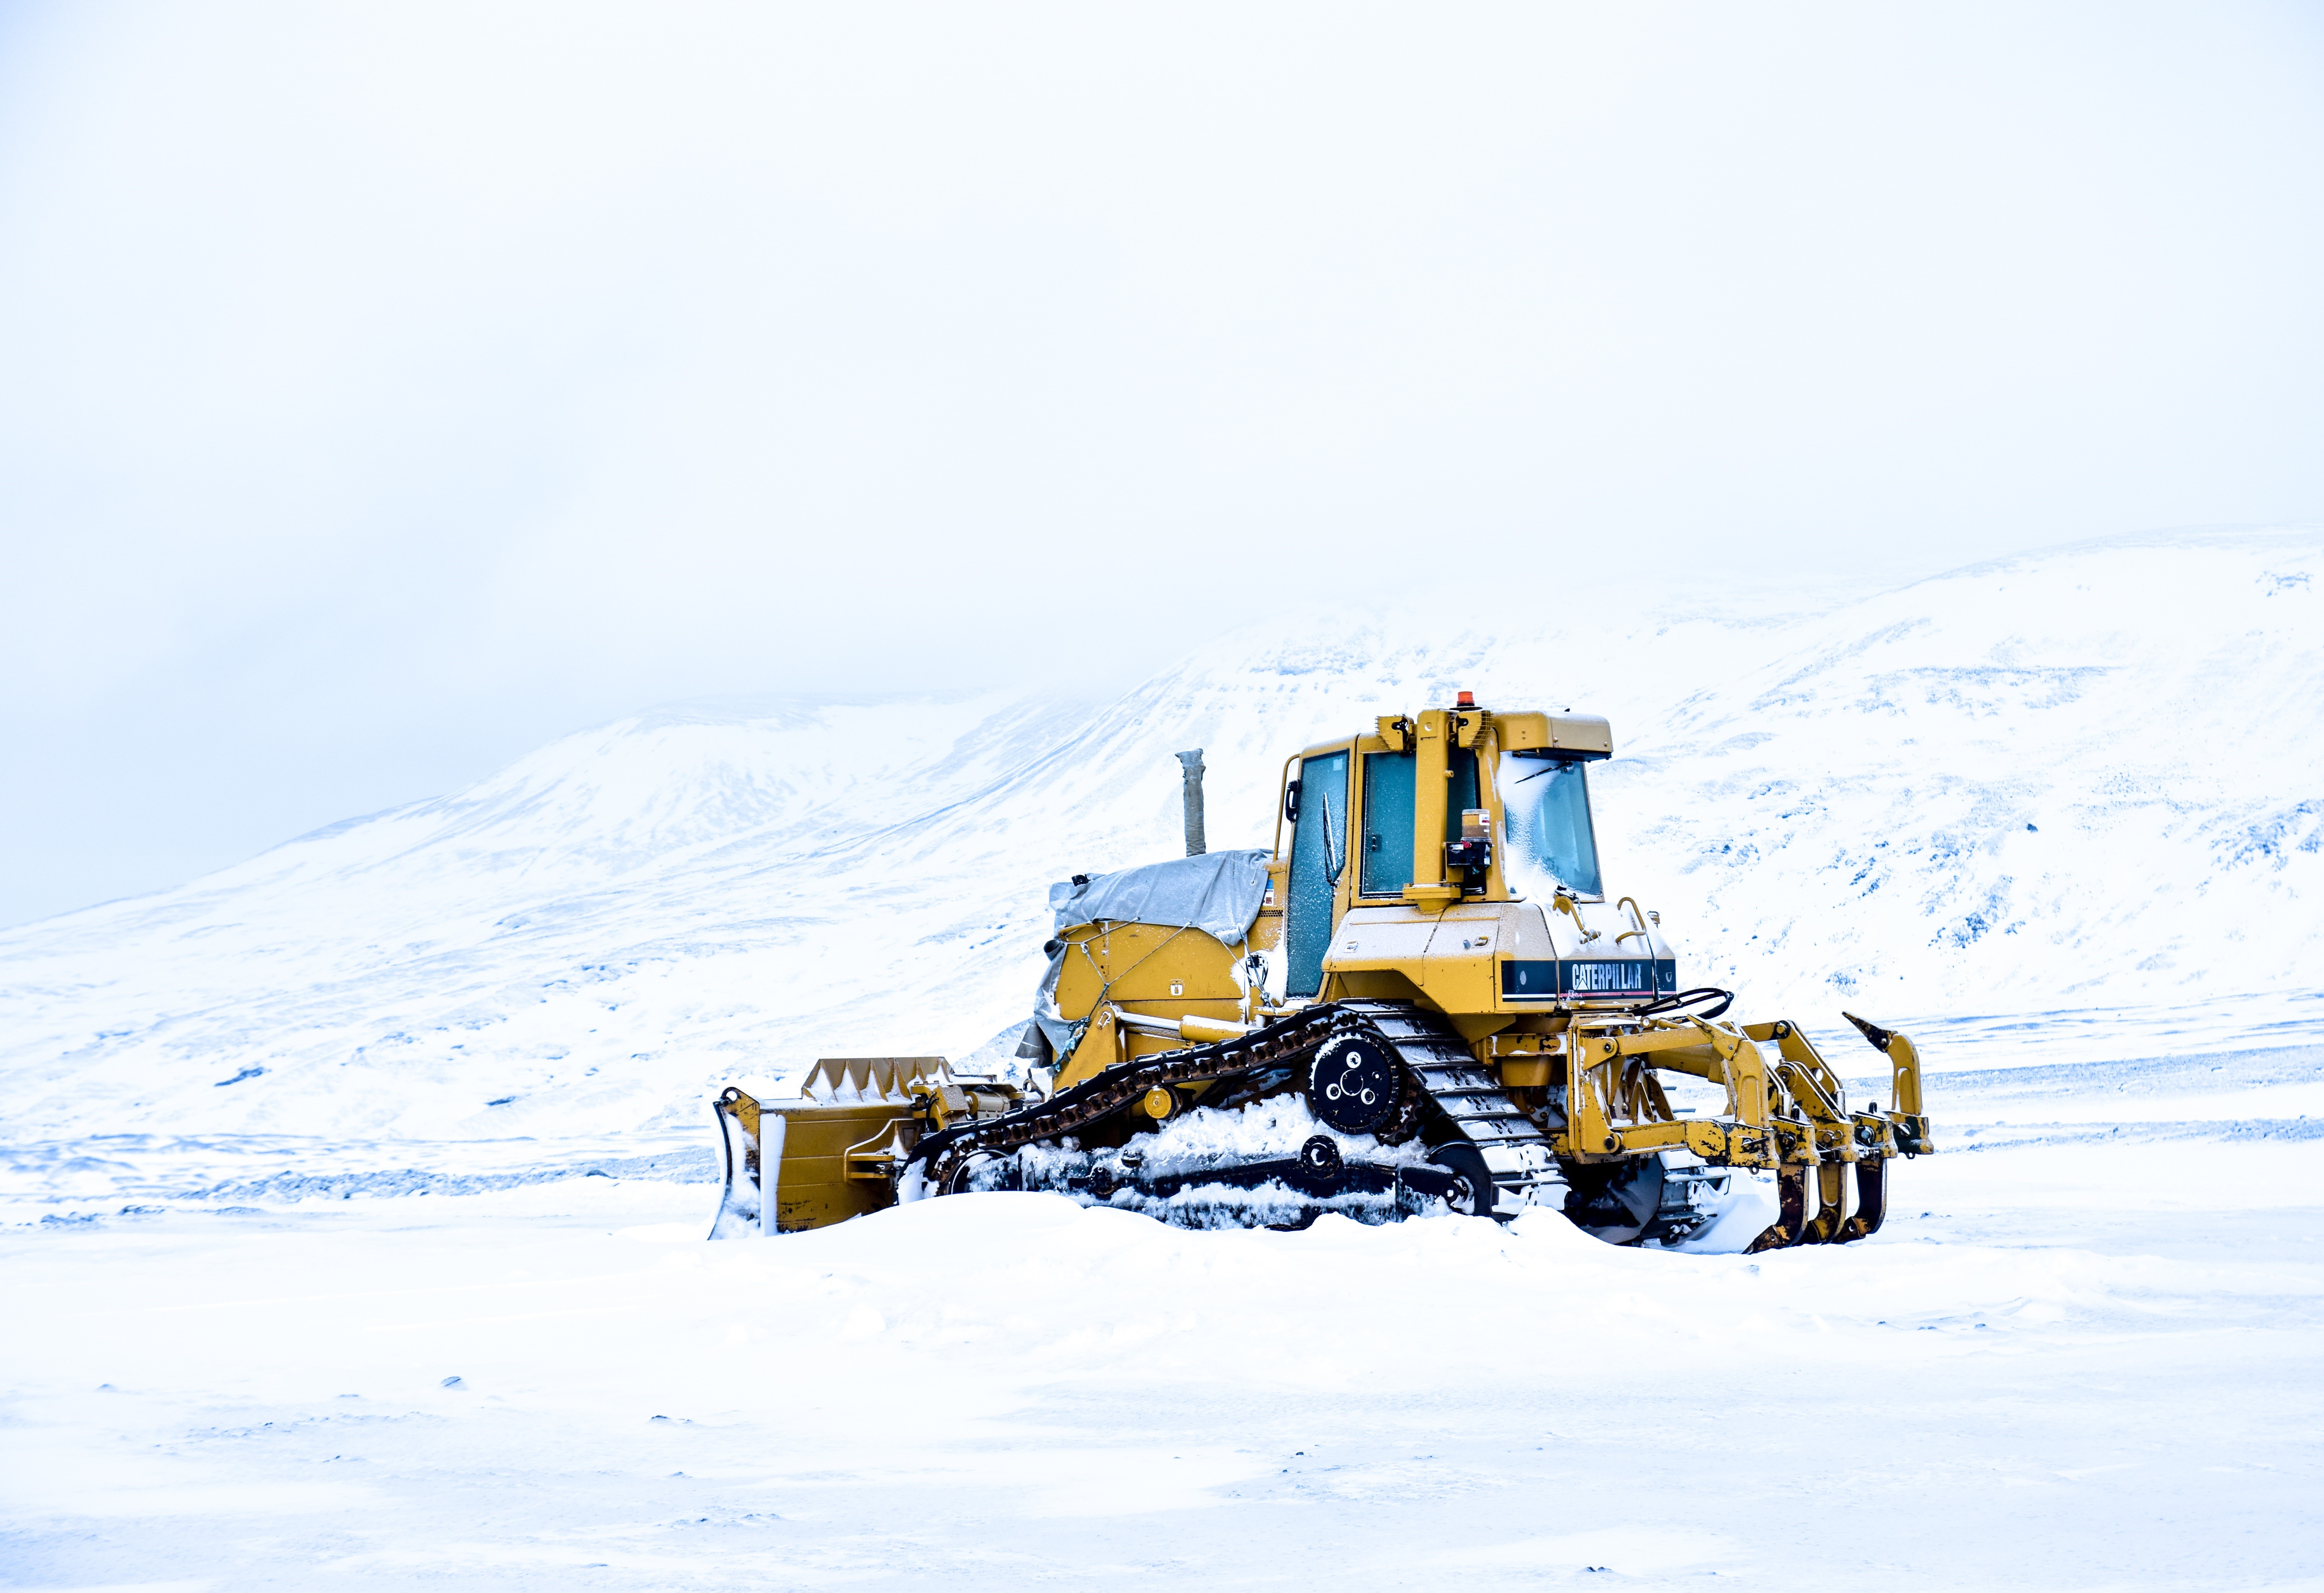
[(2086, 1355), (421, 1096)]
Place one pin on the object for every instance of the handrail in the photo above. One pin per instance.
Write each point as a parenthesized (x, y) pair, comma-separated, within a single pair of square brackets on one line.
[(1282, 795)]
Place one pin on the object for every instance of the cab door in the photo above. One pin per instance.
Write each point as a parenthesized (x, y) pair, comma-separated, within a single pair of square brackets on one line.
[(1319, 856)]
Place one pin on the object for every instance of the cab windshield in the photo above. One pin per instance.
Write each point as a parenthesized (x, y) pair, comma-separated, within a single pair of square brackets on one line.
[(1545, 800)]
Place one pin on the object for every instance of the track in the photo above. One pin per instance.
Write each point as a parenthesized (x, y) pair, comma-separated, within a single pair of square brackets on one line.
[(1516, 1154), (1434, 1061)]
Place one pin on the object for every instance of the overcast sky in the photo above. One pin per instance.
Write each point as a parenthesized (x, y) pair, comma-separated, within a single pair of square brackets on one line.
[(387, 389)]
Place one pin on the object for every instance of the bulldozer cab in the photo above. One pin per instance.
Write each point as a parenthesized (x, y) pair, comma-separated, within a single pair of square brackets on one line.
[(1431, 810)]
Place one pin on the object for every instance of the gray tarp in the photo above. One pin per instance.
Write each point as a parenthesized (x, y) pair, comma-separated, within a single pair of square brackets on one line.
[(1216, 892)]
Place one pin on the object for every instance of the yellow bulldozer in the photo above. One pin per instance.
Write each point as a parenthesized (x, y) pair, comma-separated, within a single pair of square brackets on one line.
[(1420, 1001)]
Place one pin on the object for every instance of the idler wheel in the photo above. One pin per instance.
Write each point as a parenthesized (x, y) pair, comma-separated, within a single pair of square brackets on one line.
[(1473, 1191), (1352, 1083), (961, 1177)]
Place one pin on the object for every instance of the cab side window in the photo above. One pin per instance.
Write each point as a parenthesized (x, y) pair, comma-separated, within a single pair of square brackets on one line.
[(1389, 801)]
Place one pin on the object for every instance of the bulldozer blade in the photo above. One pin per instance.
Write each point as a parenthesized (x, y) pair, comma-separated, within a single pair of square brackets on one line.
[(1871, 1200), (830, 1153), (1791, 1212), (746, 1203)]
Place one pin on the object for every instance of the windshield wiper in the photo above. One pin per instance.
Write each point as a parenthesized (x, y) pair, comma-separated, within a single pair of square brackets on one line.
[(1333, 859)]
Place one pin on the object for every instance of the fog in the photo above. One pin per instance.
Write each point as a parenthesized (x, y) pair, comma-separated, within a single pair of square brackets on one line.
[(384, 391)]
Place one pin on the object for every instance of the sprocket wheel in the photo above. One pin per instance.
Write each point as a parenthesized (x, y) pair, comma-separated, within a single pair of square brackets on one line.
[(1353, 1082)]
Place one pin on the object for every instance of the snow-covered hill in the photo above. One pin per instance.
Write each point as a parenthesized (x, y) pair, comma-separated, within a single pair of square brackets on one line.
[(2086, 781)]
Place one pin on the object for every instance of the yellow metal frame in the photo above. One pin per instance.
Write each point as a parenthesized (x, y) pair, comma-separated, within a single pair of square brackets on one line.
[(1141, 988), (851, 1128)]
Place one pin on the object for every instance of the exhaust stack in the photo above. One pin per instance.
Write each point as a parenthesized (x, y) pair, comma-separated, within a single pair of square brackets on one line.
[(1191, 762)]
